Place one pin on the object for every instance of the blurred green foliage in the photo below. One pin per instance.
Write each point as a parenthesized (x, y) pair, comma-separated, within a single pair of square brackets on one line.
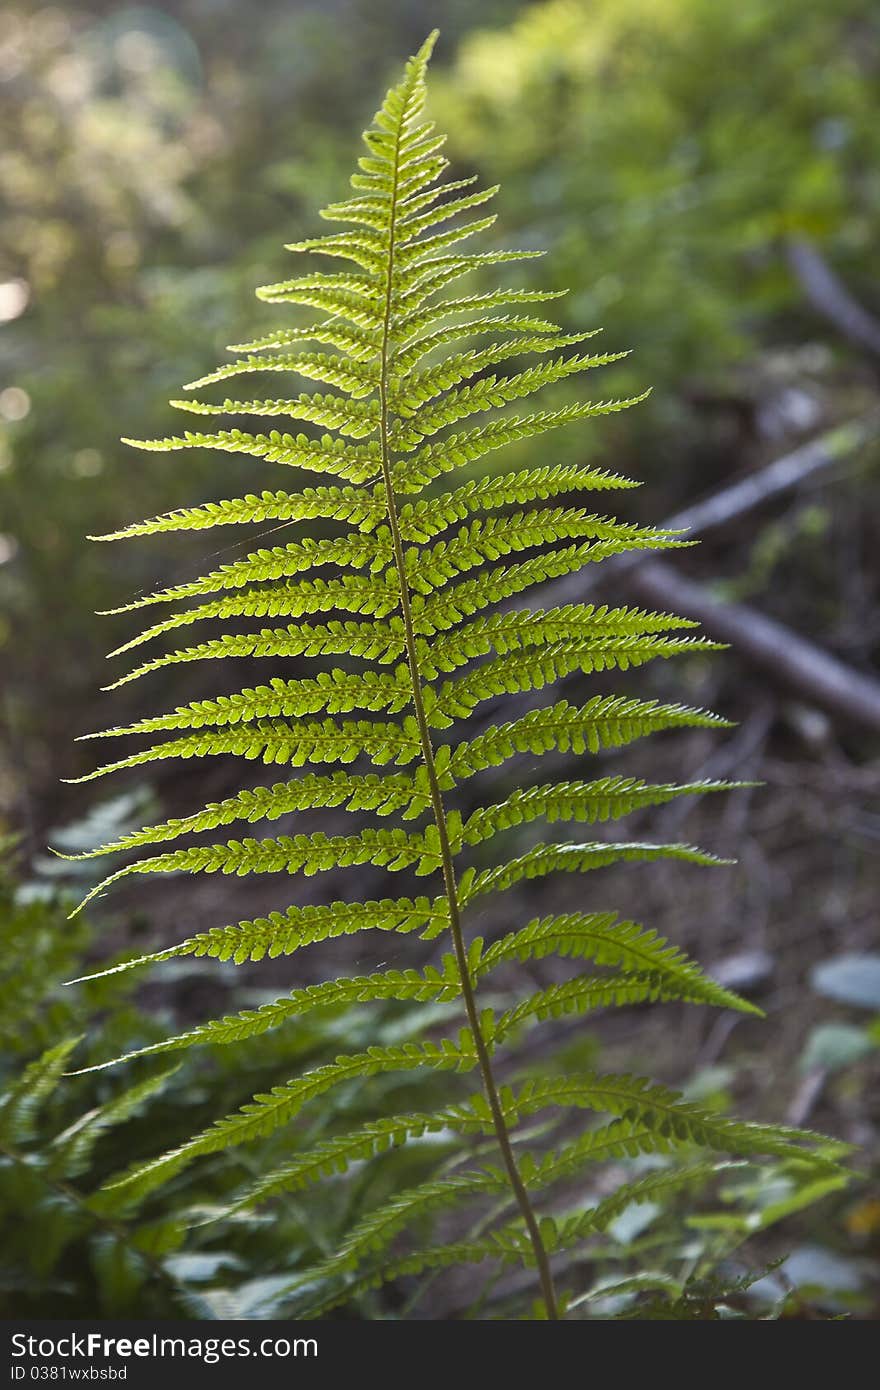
[(85, 1252), (665, 149)]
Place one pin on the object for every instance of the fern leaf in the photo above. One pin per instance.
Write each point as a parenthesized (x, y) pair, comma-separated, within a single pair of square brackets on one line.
[(70, 1151), (585, 993), (356, 463), (441, 610), (509, 1244), (491, 391), (601, 937), (489, 539), (421, 521), (415, 389), (334, 1156), (358, 343), (407, 985), (417, 596), (670, 1116), (604, 722), (520, 630), (573, 859), (355, 418), (381, 795), (273, 741), (265, 1114), (411, 474), (356, 378), (405, 359), (355, 550), (334, 504), (372, 595), (356, 303), (420, 318), (282, 933), (382, 642), (518, 671), (334, 691), (308, 854), (608, 798), (21, 1105)]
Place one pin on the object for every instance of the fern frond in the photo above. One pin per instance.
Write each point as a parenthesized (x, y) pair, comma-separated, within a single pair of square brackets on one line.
[(355, 551), (309, 854), (21, 1104), (70, 1151), (491, 537), (359, 343), (335, 1155), (364, 248), (405, 359), (372, 211), (416, 221), (417, 596), (356, 378), (334, 691), (444, 609), (585, 993), (413, 473), (375, 641), (418, 284), (491, 391), (415, 389), (670, 1116), (417, 320), (343, 297)]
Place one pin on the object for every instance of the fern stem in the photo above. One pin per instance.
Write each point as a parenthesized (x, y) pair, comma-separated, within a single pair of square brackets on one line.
[(502, 1133)]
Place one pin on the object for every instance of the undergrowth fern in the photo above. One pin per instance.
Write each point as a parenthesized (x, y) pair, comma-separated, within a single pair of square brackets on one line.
[(418, 594)]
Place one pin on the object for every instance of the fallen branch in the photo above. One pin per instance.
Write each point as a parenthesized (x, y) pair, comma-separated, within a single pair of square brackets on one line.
[(814, 674), (731, 502), (828, 294), (786, 472), (807, 670)]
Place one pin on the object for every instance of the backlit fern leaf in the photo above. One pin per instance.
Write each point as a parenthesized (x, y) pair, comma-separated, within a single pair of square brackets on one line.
[(426, 637)]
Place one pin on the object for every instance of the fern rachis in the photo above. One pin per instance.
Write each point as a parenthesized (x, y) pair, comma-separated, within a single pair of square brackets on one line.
[(414, 580)]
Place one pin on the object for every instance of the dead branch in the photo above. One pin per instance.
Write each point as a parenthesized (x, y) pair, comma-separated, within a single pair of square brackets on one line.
[(811, 673), (829, 296), (814, 674), (781, 475)]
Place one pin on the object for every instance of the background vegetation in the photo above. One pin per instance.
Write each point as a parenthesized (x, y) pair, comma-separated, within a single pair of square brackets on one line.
[(707, 182)]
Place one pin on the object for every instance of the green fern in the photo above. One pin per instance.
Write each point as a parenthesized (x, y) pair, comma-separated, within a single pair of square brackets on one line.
[(422, 586)]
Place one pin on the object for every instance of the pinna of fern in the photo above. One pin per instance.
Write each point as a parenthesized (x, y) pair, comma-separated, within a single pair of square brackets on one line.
[(419, 575)]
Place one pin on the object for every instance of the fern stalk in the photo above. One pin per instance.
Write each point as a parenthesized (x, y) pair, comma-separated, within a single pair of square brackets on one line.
[(439, 811)]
